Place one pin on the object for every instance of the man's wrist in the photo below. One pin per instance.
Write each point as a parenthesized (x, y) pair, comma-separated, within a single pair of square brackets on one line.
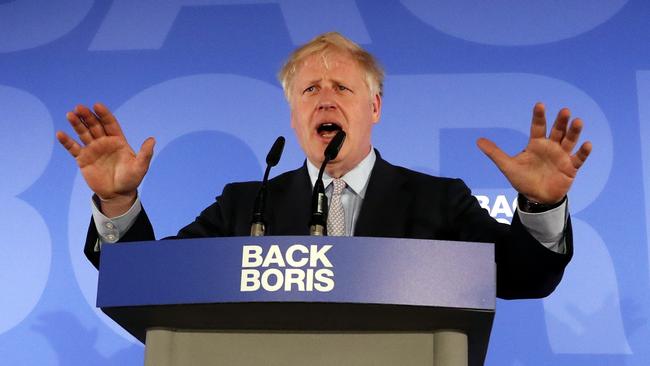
[(116, 206), (530, 206)]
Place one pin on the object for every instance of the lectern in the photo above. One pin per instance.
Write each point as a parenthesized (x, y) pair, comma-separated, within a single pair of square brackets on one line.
[(302, 300)]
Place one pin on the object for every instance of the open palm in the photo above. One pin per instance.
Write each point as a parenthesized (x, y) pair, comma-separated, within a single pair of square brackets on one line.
[(108, 164), (546, 169)]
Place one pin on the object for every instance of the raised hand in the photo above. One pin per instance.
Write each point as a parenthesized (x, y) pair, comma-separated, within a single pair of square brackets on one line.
[(108, 164), (545, 170)]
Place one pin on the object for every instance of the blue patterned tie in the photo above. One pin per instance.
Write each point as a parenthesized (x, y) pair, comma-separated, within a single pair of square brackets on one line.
[(336, 216)]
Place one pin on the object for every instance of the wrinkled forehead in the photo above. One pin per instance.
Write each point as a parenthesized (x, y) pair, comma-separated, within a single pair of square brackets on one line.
[(326, 60)]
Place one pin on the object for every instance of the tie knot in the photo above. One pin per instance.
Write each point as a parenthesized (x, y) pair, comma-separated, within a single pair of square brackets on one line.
[(339, 186)]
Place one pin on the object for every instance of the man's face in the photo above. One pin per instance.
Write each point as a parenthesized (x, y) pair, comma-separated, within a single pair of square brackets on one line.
[(329, 93)]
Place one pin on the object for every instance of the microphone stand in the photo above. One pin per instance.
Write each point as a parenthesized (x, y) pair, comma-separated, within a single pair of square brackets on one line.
[(319, 208), (258, 225)]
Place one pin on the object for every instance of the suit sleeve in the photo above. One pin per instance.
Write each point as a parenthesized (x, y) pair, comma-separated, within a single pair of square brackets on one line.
[(525, 268), (229, 215), (141, 230)]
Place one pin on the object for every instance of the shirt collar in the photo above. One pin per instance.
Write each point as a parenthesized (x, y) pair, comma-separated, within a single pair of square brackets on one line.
[(356, 179)]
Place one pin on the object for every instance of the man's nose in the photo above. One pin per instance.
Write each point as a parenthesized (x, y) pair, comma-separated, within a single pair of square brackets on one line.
[(326, 104), (326, 100)]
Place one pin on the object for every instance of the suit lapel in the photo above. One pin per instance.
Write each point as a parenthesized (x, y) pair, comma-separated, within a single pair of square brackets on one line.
[(384, 211), (290, 200)]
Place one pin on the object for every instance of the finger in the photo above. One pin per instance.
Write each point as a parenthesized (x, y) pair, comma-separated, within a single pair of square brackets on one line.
[(90, 120), (108, 120), (68, 143), (79, 127), (581, 155), (559, 126), (538, 125), (146, 153), (500, 158), (572, 136)]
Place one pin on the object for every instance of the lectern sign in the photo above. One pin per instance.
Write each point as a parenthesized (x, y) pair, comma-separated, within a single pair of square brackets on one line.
[(298, 268), (305, 269)]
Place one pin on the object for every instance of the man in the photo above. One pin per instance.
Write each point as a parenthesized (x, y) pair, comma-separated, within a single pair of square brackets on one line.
[(332, 84)]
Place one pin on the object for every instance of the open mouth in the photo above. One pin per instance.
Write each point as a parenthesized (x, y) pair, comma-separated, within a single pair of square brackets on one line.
[(328, 129)]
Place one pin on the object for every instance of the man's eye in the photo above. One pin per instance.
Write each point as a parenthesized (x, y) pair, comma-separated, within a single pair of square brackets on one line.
[(311, 89), (342, 88)]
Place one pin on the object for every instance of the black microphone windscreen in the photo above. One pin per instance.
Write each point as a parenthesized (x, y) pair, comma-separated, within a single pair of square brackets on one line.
[(334, 146), (275, 153)]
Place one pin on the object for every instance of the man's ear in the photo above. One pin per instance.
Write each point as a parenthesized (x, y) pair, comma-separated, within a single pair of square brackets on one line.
[(291, 113), (293, 125), (376, 108)]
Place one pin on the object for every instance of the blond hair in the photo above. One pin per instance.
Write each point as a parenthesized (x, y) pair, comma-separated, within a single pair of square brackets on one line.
[(337, 42)]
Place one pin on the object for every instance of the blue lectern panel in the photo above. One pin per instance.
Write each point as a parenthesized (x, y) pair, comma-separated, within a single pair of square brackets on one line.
[(298, 269)]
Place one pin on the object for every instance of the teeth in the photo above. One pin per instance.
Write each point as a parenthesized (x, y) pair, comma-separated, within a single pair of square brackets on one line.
[(328, 127)]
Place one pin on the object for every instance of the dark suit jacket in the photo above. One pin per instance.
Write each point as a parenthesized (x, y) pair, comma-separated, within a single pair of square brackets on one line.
[(399, 203)]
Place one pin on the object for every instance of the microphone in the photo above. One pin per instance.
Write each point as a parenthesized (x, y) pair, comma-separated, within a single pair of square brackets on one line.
[(318, 222), (332, 149), (258, 226)]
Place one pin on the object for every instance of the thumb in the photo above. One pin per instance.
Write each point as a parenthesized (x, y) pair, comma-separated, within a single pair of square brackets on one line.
[(489, 148), (146, 153)]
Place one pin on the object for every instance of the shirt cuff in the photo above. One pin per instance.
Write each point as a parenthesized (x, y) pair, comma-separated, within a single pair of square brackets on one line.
[(110, 230), (548, 226)]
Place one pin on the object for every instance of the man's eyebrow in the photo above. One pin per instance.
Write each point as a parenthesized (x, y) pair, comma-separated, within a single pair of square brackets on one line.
[(344, 83), (335, 81)]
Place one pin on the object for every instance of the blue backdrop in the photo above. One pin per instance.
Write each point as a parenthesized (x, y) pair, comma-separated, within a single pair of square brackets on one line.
[(199, 75)]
